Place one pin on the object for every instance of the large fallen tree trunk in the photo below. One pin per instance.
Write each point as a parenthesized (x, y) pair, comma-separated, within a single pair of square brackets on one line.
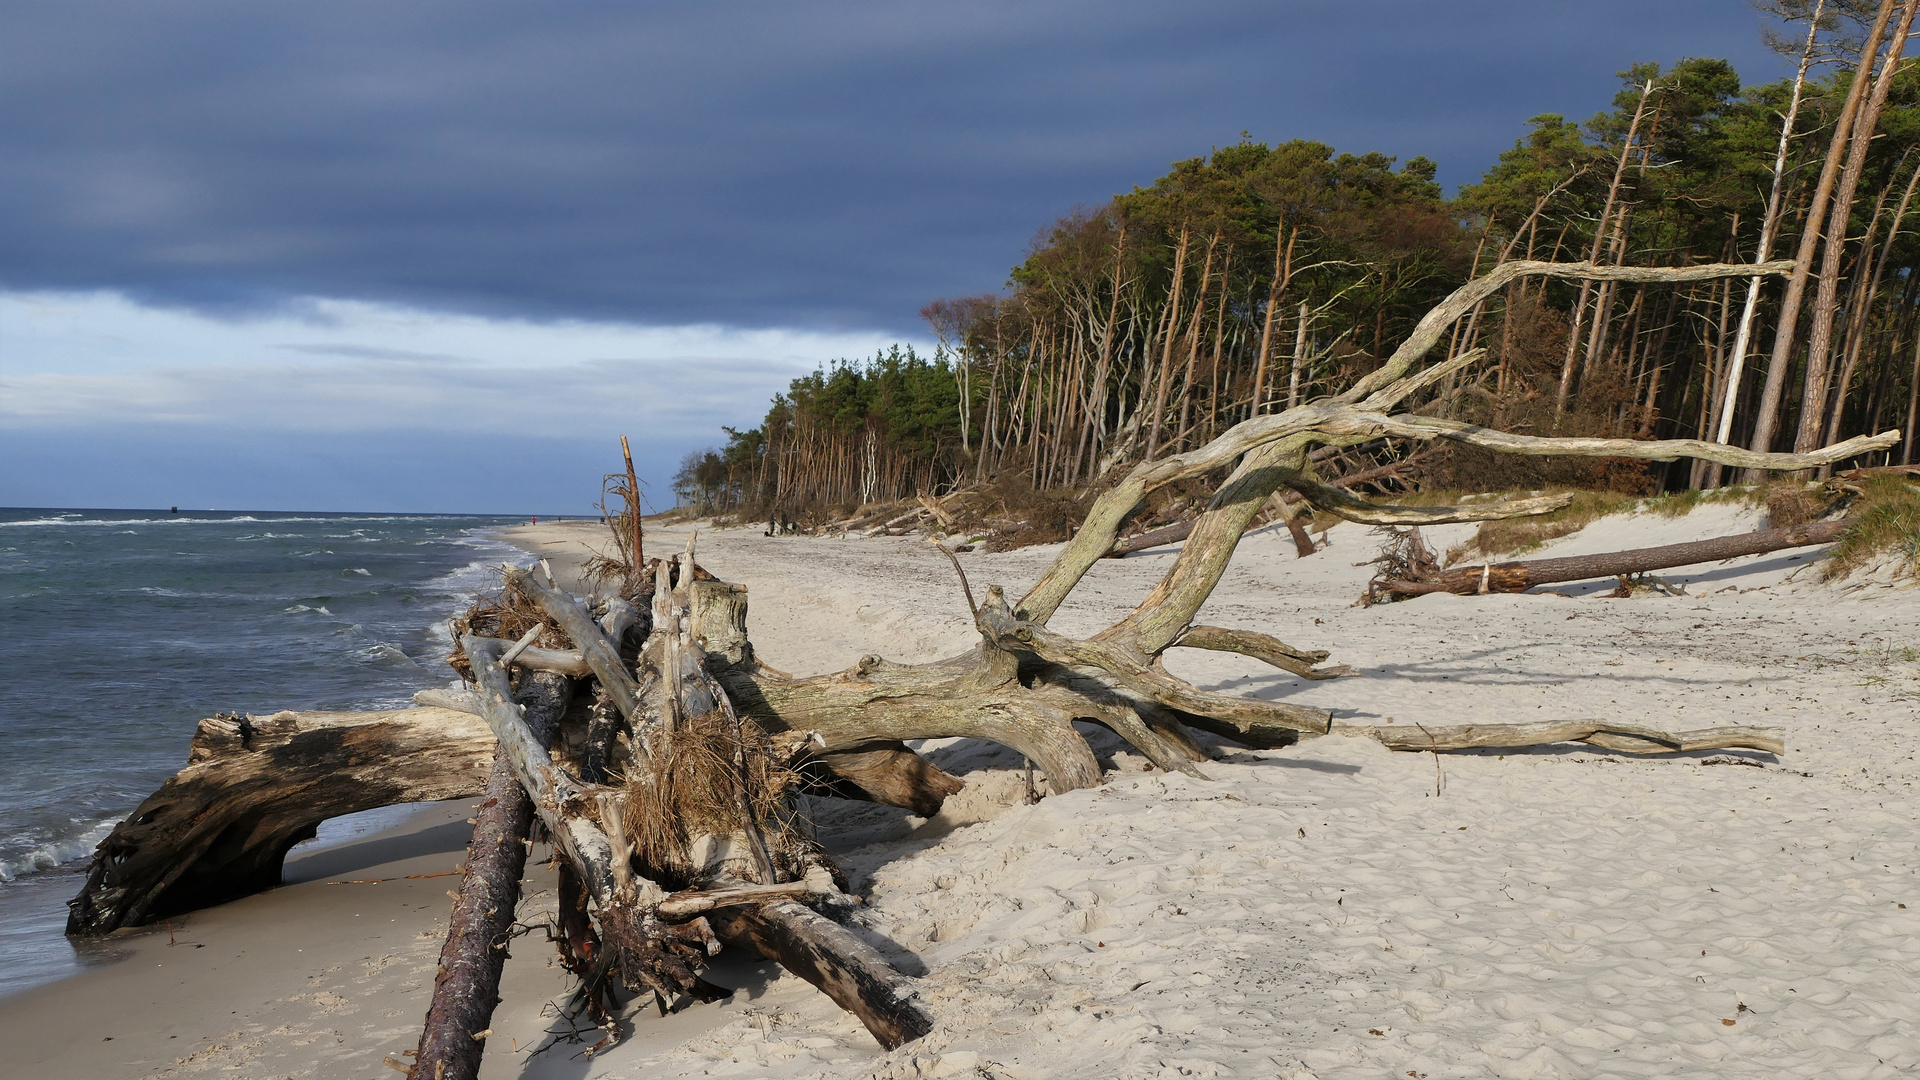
[(255, 786), (1513, 577)]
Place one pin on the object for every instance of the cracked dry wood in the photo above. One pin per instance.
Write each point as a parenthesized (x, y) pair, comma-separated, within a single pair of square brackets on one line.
[(253, 787)]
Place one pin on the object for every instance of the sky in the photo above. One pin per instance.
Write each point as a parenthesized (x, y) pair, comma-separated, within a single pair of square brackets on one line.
[(438, 256)]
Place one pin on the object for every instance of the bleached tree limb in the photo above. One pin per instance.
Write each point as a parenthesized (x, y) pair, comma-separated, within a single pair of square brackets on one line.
[(602, 658), (1262, 647), (1339, 421), (1428, 427), (1377, 391), (1353, 508), (558, 798), (1626, 738)]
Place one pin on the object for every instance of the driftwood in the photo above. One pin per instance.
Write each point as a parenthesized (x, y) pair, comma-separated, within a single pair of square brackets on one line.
[(468, 980), (846, 969), (1513, 577), (254, 786), (1289, 503), (1152, 538), (1626, 738), (749, 881)]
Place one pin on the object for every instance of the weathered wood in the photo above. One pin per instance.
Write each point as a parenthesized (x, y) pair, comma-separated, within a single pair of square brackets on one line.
[(687, 904), (602, 658), (254, 786), (557, 797), (885, 772), (1152, 538), (1131, 671), (1513, 577), (468, 980), (826, 954), (974, 695), (647, 952), (1627, 738), (1262, 647), (878, 770)]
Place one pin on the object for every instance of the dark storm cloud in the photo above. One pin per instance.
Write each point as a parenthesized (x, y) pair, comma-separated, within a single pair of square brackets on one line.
[(824, 164)]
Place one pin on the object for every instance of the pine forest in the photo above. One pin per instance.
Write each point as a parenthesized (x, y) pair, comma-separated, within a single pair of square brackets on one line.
[(1261, 276)]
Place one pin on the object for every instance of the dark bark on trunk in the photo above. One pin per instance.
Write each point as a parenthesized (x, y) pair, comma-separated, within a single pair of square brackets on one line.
[(1513, 577), (1166, 534), (826, 954), (468, 984)]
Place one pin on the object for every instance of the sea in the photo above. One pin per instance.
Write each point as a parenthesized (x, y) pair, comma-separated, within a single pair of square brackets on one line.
[(121, 629)]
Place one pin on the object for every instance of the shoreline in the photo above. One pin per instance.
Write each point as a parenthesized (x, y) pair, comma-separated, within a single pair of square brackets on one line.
[(1332, 908)]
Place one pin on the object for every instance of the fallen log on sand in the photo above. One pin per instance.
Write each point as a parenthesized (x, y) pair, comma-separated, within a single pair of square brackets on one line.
[(1625, 738), (255, 786), (1513, 577)]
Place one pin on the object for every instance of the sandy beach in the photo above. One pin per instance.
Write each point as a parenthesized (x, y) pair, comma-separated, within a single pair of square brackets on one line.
[(1331, 909)]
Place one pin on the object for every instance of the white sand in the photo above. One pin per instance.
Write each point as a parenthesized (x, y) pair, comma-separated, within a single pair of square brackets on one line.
[(1333, 909), (1321, 911)]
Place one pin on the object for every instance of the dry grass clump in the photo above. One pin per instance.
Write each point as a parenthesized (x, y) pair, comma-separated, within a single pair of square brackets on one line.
[(712, 776), (1015, 514), (1884, 520), (1790, 503)]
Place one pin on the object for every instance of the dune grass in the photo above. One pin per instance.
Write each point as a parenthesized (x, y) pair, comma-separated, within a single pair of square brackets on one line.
[(1885, 521)]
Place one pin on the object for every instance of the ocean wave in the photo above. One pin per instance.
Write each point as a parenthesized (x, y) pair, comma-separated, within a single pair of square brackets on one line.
[(464, 581), (58, 852), (298, 608), (238, 519), (387, 652)]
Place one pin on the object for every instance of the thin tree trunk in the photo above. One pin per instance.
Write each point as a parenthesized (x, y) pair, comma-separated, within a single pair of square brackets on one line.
[(1282, 272), (1781, 362), (1193, 341), (1599, 242), (1858, 332), (1913, 404), (1813, 396), (1299, 357), (1166, 356)]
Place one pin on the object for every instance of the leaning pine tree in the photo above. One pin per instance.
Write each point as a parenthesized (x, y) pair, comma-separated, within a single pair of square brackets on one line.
[(670, 800)]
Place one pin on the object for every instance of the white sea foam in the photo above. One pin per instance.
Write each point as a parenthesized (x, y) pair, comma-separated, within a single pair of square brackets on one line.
[(59, 851)]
